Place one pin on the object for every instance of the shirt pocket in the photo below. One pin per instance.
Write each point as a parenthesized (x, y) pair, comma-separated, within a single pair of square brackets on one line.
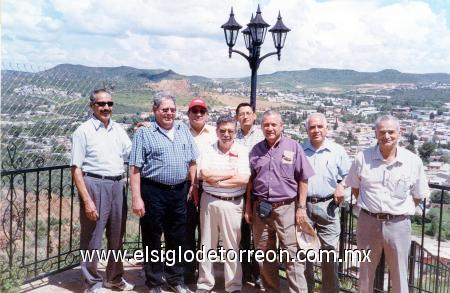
[(401, 186)]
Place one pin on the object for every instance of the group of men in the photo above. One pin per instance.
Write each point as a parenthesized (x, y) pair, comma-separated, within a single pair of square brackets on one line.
[(247, 186)]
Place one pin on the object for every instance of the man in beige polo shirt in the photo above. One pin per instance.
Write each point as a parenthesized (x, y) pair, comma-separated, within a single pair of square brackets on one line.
[(225, 171), (389, 182)]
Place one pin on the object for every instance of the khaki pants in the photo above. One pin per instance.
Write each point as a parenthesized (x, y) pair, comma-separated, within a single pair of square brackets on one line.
[(394, 237), (220, 216), (281, 224)]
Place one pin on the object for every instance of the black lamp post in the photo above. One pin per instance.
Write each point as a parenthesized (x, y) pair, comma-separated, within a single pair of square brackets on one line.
[(254, 35)]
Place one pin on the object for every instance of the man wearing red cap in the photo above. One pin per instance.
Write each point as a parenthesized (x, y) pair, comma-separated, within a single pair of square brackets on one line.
[(204, 135)]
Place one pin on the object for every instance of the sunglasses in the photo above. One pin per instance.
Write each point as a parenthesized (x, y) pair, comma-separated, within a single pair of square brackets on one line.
[(201, 111), (103, 104)]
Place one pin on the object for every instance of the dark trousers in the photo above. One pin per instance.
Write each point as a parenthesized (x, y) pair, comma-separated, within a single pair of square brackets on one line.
[(249, 269), (192, 224), (165, 211)]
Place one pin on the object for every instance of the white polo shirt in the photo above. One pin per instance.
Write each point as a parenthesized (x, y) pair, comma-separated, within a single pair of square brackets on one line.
[(235, 158), (388, 187), (100, 150)]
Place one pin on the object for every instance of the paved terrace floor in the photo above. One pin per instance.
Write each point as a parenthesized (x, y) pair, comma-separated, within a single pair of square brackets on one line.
[(70, 281)]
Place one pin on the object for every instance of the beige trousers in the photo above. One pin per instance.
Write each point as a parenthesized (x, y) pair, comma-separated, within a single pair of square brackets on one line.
[(281, 224), (224, 217)]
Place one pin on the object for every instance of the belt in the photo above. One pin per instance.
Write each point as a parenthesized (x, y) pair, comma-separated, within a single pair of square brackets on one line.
[(382, 216), (161, 185), (113, 178), (316, 199), (228, 198), (279, 203)]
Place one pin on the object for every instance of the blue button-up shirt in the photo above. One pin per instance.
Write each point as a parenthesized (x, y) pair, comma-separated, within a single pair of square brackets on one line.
[(330, 163), (161, 159)]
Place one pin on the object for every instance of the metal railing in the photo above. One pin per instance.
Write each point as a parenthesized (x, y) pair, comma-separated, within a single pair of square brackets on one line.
[(40, 233)]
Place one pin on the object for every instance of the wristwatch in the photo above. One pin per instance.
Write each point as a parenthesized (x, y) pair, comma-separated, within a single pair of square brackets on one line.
[(299, 206)]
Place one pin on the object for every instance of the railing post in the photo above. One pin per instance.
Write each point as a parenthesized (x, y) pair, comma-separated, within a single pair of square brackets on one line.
[(412, 263), (379, 275)]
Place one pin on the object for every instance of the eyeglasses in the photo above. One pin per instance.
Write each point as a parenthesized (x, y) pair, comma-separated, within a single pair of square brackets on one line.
[(103, 104), (243, 114), (201, 111), (223, 131), (166, 110)]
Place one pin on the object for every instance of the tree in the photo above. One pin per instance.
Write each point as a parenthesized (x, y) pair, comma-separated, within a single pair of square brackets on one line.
[(436, 197), (432, 115), (411, 148), (426, 150)]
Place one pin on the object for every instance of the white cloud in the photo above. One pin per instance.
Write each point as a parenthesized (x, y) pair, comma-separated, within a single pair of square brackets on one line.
[(185, 35)]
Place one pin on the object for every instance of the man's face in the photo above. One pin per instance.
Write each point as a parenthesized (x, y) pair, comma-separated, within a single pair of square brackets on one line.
[(317, 130), (198, 116), (246, 116), (226, 132), (387, 134), (272, 127), (101, 108), (165, 113)]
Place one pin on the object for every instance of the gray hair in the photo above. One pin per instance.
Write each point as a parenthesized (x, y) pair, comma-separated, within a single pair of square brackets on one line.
[(92, 96), (319, 115), (226, 118), (159, 97), (271, 113), (387, 118)]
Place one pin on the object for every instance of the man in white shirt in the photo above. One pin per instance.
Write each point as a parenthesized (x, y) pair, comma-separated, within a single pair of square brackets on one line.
[(389, 182), (225, 171), (99, 147)]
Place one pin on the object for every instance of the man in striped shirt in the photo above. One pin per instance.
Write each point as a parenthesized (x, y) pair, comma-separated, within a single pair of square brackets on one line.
[(225, 171), (161, 158)]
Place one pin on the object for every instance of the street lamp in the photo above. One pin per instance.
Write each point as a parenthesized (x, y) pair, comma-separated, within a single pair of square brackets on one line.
[(254, 35)]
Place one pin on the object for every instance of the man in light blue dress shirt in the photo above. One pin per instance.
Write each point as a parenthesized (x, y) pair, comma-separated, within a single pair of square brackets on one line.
[(331, 164)]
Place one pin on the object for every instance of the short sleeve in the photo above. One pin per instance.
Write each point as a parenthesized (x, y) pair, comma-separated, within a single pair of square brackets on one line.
[(420, 188), (126, 144), (137, 149), (353, 178), (303, 169), (344, 163), (78, 148)]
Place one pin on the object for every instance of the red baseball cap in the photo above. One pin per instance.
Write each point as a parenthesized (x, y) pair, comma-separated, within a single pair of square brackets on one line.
[(197, 102)]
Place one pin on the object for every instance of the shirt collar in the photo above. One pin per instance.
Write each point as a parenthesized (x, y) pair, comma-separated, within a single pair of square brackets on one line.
[(231, 150), (155, 126), (250, 132), (97, 123), (194, 133), (325, 146), (401, 156)]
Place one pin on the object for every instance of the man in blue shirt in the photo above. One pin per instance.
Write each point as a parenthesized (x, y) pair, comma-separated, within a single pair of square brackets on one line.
[(161, 158), (331, 164)]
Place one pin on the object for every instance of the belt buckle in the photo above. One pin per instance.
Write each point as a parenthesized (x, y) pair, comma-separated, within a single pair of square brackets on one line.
[(314, 200)]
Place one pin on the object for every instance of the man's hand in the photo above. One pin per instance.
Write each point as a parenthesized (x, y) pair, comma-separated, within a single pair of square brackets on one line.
[(142, 124), (248, 214), (339, 194), (90, 210), (138, 207), (193, 194), (300, 216)]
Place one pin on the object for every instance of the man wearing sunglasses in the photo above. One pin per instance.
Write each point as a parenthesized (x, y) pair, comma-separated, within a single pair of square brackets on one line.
[(99, 148), (204, 135), (162, 157)]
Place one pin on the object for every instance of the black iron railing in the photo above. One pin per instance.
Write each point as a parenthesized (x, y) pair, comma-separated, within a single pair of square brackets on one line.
[(40, 233)]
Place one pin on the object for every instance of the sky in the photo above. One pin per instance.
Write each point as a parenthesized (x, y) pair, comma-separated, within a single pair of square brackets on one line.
[(185, 35)]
